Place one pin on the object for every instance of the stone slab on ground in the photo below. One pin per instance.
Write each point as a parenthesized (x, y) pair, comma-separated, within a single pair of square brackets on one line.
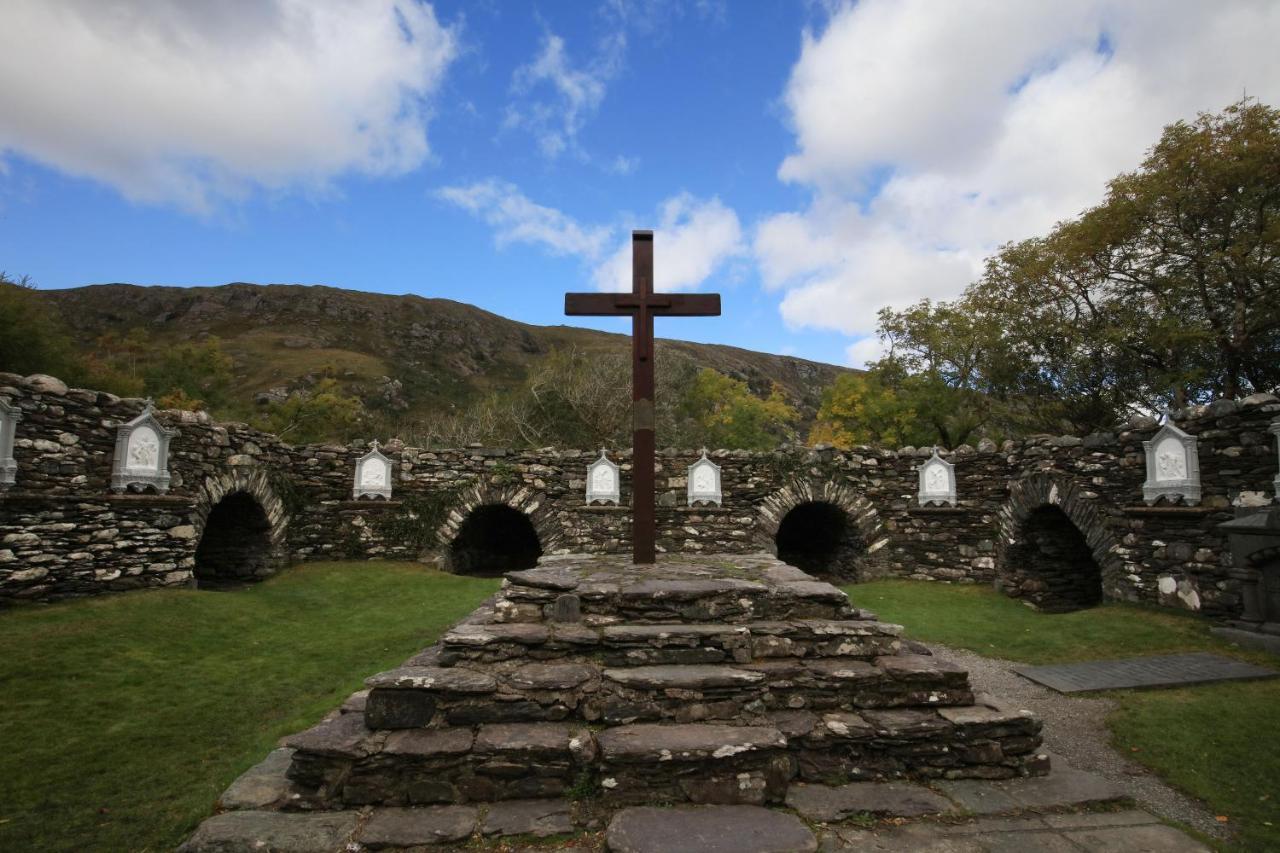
[(1155, 671), (1116, 832), (529, 817), (418, 827), (261, 785), (1252, 639), (232, 832), (826, 803), (708, 829), (1065, 787)]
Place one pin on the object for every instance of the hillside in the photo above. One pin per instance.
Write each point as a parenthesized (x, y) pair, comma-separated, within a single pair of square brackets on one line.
[(409, 353)]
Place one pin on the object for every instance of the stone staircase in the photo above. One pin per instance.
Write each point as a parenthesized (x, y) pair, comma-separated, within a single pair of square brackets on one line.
[(707, 680)]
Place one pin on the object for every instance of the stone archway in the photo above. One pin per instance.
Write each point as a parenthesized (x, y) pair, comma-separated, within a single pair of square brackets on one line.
[(493, 529), (240, 528), (1054, 549), (822, 527)]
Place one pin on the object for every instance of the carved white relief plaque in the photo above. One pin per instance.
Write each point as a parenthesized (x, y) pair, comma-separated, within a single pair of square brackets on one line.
[(704, 482), (9, 417), (1173, 466), (603, 482), (373, 475), (142, 453), (937, 481)]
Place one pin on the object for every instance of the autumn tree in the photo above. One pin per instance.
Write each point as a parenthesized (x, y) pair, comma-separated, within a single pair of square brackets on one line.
[(728, 415)]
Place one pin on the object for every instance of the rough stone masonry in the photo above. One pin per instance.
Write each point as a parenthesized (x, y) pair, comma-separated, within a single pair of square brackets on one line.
[(1030, 513)]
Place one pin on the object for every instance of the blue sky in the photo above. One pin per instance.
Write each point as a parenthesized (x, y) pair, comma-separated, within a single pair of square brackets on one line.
[(811, 161)]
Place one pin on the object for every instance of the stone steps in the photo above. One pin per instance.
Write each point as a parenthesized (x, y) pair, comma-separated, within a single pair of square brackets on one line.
[(514, 691), (631, 644), (343, 761)]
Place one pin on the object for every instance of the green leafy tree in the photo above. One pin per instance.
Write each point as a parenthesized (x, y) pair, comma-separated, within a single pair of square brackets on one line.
[(320, 413), (197, 374), (728, 415), (32, 338), (862, 409)]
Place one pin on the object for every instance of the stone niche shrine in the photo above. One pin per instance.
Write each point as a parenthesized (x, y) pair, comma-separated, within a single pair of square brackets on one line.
[(373, 475), (142, 453), (1173, 467), (603, 481), (937, 481), (704, 482), (9, 417)]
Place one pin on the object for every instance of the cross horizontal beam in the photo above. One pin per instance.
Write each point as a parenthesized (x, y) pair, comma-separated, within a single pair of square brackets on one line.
[(624, 304)]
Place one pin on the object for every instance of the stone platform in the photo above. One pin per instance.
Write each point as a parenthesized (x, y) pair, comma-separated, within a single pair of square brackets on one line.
[(726, 680)]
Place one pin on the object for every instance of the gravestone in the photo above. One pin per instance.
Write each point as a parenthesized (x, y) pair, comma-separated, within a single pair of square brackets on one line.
[(142, 453), (704, 482), (9, 417), (603, 481), (1173, 466), (373, 475), (937, 481)]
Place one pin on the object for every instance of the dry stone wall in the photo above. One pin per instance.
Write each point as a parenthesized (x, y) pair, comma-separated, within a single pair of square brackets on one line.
[(63, 533)]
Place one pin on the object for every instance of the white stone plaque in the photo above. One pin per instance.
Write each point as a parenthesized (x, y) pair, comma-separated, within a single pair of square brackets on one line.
[(142, 453), (937, 481), (9, 417), (373, 475), (704, 482), (1173, 466), (603, 481)]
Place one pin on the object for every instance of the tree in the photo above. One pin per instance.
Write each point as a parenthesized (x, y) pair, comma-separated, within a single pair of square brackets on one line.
[(730, 416), (319, 413), (862, 409), (32, 338)]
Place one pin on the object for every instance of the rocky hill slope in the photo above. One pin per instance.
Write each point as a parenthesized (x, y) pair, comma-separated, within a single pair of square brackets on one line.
[(412, 353)]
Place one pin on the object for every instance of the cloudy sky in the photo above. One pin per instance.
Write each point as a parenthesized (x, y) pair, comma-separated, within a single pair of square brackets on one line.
[(813, 161)]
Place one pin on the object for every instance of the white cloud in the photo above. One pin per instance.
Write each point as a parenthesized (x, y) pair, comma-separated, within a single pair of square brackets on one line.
[(863, 351), (556, 99), (517, 219), (931, 133), (695, 238), (192, 103), (693, 241)]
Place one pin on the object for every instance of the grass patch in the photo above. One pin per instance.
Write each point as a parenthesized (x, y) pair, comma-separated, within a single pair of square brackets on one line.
[(982, 620), (1215, 741), (124, 717)]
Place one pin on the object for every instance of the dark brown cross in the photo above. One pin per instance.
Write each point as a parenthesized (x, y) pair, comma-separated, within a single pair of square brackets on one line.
[(642, 305)]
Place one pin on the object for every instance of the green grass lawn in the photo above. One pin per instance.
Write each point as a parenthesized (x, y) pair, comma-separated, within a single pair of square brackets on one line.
[(124, 717), (1218, 742)]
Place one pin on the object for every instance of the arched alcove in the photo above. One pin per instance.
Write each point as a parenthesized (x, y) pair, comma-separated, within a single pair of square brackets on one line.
[(1055, 560), (493, 539), (823, 527), (1055, 550), (820, 538), (235, 546)]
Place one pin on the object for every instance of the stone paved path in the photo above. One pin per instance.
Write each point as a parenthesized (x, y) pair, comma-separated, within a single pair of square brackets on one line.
[(1152, 671)]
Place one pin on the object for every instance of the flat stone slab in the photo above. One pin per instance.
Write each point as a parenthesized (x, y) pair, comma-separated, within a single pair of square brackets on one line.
[(260, 785), (685, 742), (1064, 787), (889, 799), (1156, 671), (322, 832), (1115, 832), (686, 677), (708, 829), (529, 817), (344, 736), (415, 827), (446, 679)]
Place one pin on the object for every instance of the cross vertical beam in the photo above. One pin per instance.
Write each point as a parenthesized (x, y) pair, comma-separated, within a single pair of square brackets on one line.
[(642, 304)]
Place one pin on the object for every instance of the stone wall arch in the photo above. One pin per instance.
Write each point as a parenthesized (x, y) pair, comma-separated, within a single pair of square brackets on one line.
[(254, 485), (532, 503), (774, 510), (1029, 498)]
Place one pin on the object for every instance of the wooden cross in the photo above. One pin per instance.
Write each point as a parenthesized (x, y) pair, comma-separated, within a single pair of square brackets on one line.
[(642, 305)]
